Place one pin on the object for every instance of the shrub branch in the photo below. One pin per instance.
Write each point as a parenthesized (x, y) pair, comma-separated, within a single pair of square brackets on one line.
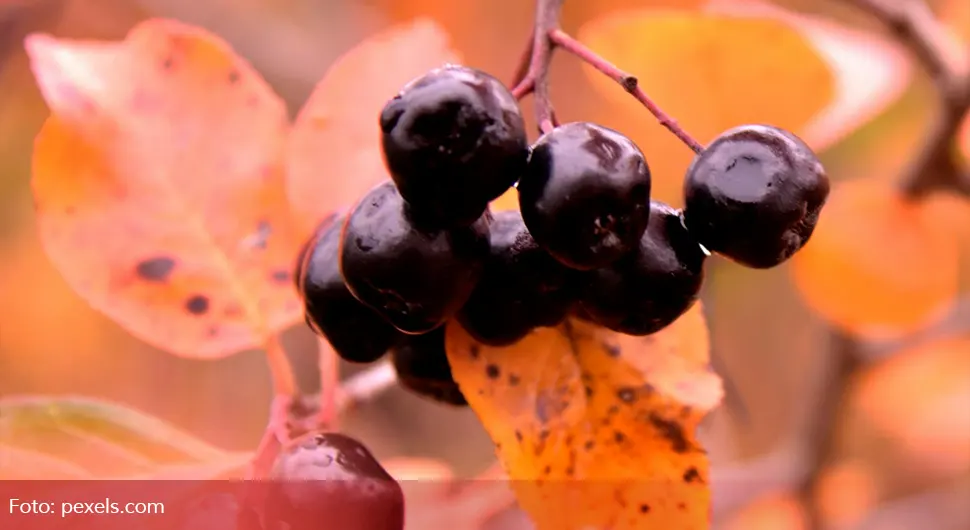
[(916, 27)]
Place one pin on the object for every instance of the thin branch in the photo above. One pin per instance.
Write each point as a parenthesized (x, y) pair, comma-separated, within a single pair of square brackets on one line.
[(536, 80), (284, 382), (329, 365), (625, 80), (914, 25), (823, 441), (522, 69)]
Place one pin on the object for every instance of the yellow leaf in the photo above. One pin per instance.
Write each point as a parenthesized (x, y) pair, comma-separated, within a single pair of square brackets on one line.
[(594, 428), (735, 63)]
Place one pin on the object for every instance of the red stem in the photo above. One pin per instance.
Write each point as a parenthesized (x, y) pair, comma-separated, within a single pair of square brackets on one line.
[(625, 80)]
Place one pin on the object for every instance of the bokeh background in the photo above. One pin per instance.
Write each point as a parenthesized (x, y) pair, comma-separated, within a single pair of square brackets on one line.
[(780, 360)]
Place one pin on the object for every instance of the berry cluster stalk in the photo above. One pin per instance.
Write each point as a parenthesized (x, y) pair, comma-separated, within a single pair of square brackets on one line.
[(532, 76)]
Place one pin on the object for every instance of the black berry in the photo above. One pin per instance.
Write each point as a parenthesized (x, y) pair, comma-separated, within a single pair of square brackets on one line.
[(523, 287), (415, 277), (585, 194), (330, 480), (754, 195), (356, 332), (651, 287), (422, 367), (453, 140)]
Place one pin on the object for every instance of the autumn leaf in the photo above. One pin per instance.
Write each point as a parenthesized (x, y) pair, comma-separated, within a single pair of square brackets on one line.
[(95, 437), (596, 429), (159, 187), (816, 79), (334, 152), (24, 464), (878, 265), (918, 399)]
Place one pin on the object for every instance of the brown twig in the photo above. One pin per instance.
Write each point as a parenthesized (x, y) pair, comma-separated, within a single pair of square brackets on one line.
[(625, 80), (546, 37), (914, 25)]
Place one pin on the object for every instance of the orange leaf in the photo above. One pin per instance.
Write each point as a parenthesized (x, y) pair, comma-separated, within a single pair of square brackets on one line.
[(878, 265), (159, 187), (334, 153), (918, 398), (596, 428), (711, 70)]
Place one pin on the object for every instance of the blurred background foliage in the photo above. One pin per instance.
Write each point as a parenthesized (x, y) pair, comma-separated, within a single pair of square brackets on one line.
[(895, 439)]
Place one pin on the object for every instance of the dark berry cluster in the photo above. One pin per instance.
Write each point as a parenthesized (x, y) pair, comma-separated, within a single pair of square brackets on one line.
[(423, 248)]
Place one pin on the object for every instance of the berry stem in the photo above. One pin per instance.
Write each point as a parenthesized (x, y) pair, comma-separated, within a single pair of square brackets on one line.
[(329, 385), (532, 76), (284, 383), (629, 83), (915, 26), (547, 19)]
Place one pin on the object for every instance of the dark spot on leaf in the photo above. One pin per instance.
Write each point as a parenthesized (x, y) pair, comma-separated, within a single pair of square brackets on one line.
[(672, 431), (260, 238), (548, 407), (197, 305), (626, 395), (612, 410), (681, 506), (518, 435), (611, 349), (547, 470), (212, 331), (589, 445), (544, 434), (233, 77), (474, 351), (492, 371), (691, 475), (168, 63), (570, 471), (619, 437), (644, 508), (156, 269), (589, 391), (513, 380), (281, 276)]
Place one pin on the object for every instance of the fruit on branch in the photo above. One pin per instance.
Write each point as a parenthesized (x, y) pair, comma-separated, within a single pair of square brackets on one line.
[(649, 288), (754, 195), (585, 194), (356, 332), (453, 140), (414, 276), (422, 367), (522, 287), (330, 480), (215, 505)]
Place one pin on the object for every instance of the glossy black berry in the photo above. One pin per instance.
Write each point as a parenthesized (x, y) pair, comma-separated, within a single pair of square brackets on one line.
[(330, 480), (415, 277), (651, 287), (754, 195), (585, 194), (356, 332), (422, 367), (453, 140), (523, 287)]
